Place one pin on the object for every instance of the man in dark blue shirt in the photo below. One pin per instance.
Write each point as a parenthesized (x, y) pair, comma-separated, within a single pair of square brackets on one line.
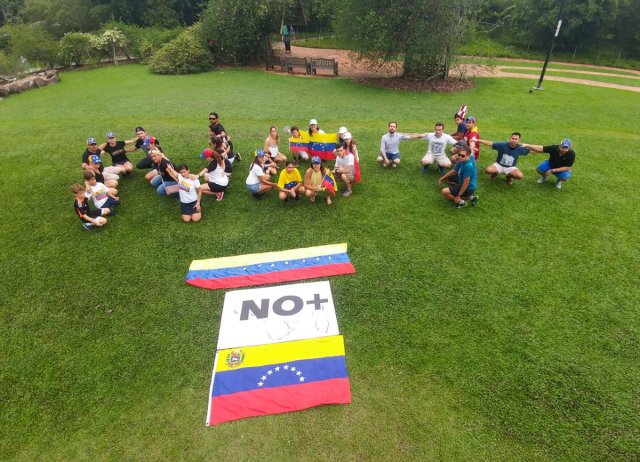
[(508, 153)]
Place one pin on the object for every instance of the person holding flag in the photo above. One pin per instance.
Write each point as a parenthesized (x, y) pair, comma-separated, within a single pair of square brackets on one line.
[(290, 183), (318, 179)]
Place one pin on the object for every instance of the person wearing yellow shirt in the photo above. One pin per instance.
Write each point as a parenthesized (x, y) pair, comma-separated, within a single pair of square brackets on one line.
[(290, 183)]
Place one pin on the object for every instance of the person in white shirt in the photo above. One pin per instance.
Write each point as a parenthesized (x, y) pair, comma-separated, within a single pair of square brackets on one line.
[(436, 150), (344, 169), (189, 191), (259, 182)]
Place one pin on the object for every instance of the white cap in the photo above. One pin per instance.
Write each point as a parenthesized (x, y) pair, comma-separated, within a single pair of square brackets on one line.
[(313, 122), (342, 130), (347, 136)]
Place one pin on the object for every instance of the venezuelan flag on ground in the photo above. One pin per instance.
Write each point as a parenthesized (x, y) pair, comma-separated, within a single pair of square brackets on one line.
[(322, 145), (276, 378), (270, 268)]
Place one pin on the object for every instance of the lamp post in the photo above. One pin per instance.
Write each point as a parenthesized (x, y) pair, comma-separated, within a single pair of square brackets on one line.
[(546, 60)]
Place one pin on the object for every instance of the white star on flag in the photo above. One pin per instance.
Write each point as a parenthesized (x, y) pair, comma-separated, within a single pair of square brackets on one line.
[(302, 379), (298, 373), (264, 377), (293, 369), (278, 369), (260, 384), (286, 367), (269, 372)]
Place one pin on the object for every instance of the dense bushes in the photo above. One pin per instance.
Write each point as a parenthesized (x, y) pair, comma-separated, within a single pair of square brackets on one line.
[(183, 55)]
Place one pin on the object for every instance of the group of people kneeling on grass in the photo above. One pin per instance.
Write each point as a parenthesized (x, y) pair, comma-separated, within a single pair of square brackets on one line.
[(101, 183), (465, 151)]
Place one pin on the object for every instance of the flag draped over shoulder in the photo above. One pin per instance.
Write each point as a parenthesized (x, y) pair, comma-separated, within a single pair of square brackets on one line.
[(270, 267), (318, 144), (276, 378)]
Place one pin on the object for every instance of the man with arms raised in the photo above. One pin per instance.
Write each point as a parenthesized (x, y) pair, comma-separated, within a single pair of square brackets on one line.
[(508, 153), (389, 152), (438, 141), (561, 159)]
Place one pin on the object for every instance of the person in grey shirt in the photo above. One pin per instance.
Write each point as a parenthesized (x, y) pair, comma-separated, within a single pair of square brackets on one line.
[(389, 152)]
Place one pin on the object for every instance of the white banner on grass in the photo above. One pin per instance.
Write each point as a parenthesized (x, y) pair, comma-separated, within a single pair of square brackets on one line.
[(277, 314)]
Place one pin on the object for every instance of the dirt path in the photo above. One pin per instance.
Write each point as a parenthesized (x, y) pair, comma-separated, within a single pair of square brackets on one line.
[(348, 68)]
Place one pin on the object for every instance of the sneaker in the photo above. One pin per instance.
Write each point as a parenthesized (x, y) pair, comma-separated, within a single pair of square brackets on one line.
[(542, 180), (461, 205), (88, 226), (559, 184), (257, 196), (238, 157), (509, 181), (441, 170), (474, 201), (394, 165), (425, 168), (493, 176), (347, 193), (219, 196)]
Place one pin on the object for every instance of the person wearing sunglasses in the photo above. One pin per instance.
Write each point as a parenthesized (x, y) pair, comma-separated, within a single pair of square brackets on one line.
[(462, 193)]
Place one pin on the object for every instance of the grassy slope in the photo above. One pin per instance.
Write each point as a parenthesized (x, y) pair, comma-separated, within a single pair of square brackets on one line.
[(505, 332)]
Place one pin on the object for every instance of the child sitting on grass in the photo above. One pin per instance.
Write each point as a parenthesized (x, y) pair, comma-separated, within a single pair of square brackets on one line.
[(102, 196), (90, 218)]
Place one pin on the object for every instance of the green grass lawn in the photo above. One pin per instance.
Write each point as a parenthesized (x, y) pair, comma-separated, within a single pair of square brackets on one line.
[(572, 75), (510, 331)]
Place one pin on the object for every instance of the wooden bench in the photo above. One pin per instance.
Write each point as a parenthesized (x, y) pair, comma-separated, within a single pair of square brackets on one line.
[(324, 63), (271, 61), (291, 63)]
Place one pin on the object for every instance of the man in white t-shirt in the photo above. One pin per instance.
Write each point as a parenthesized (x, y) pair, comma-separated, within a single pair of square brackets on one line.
[(344, 169), (436, 150)]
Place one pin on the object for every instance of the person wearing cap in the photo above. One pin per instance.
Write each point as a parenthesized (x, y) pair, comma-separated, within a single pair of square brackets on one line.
[(272, 146), (103, 197), (313, 127), (95, 167), (258, 181), (466, 174), (436, 148), (344, 169), (350, 146), (313, 181), (215, 174), (116, 149), (142, 141), (389, 144), (559, 164), (110, 173), (471, 136), (508, 154), (162, 181)]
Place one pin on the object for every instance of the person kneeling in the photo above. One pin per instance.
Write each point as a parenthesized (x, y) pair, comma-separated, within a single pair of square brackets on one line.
[(290, 183), (189, 191)]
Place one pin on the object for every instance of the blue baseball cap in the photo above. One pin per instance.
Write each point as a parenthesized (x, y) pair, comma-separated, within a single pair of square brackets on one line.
[(91, 140), (470, 119), (111, 135), (259, 153), (316, 160), (95, 159), (566, 143)]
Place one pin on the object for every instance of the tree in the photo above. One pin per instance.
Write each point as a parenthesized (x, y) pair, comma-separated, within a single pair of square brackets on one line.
[(419, 35), (236, 29)]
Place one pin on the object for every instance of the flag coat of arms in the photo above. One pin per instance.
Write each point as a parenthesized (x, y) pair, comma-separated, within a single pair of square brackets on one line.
[(277, 378), (270, 267)]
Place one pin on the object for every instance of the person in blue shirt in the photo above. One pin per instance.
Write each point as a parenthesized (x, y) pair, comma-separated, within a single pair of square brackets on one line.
[(467, 178), (507, 159)]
